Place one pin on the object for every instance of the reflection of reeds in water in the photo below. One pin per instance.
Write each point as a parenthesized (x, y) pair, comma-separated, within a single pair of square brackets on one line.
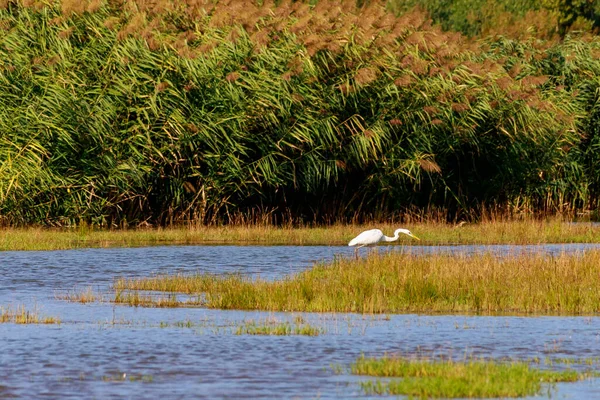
[(21, 315), (439, 378), (398, 283)]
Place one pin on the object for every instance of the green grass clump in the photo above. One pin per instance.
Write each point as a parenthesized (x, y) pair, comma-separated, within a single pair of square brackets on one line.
[(400, 283), (457, 379), (271, 327)]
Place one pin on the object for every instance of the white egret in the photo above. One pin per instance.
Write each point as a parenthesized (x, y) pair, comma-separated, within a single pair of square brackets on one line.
[(374, 236)]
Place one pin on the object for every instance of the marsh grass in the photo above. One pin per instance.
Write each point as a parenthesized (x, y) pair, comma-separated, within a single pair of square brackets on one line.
[(136, 299), (277, 328), (528, 231), (401, 283), (427, 378), (21, 315), (83, 296)]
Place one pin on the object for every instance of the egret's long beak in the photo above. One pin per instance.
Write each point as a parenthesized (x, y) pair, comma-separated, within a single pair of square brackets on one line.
[(413, 236)]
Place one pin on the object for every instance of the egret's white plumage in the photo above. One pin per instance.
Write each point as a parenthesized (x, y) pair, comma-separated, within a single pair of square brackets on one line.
[(374, 236)]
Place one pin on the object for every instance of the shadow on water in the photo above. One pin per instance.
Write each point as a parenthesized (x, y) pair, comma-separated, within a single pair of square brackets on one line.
[(103, 351)]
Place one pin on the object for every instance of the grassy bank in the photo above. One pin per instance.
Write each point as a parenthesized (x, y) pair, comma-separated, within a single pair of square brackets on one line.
[(492, 232), (401, 283), (425, 378)]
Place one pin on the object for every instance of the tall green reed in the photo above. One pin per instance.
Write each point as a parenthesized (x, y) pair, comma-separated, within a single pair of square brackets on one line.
[(113, 115)]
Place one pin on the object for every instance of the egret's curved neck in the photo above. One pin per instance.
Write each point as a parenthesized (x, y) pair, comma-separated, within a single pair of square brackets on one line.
[(391, 239)]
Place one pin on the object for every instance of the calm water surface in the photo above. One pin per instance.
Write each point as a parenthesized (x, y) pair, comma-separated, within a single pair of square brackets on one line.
[(105, 351)]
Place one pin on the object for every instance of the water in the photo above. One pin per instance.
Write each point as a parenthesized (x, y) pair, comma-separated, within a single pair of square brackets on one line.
[(105, 351)]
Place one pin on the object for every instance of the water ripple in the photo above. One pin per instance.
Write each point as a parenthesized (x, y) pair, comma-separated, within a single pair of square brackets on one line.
[(104, 351)]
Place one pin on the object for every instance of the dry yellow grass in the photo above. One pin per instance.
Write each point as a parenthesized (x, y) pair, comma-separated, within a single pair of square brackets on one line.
[(20, 315), (432, 233)]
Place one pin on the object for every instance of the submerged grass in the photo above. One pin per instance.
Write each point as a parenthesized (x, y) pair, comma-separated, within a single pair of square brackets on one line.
[(124, 377), (277, 328), (20, 315), (399, 283), (457, 379), (83, 296), (136, 299), (490, 232)]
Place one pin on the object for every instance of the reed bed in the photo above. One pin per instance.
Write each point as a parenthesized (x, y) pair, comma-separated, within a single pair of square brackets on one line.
[(405, 283), (541, 19), (527, 231), (21, 315), (473, 378), (117, 114)]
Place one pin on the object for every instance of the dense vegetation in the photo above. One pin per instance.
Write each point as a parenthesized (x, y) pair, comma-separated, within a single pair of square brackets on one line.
[(120, 112), (516, 18)]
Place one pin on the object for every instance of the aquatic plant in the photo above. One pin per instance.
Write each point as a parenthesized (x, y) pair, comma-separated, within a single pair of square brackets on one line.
[(137, 299), (21, 315), (125, 377), (472, 378), (87, 295), (274, 327), (400, 283)]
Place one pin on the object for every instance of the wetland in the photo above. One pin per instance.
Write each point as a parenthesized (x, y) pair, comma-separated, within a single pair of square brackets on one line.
[(101, 348), (181, 179)]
